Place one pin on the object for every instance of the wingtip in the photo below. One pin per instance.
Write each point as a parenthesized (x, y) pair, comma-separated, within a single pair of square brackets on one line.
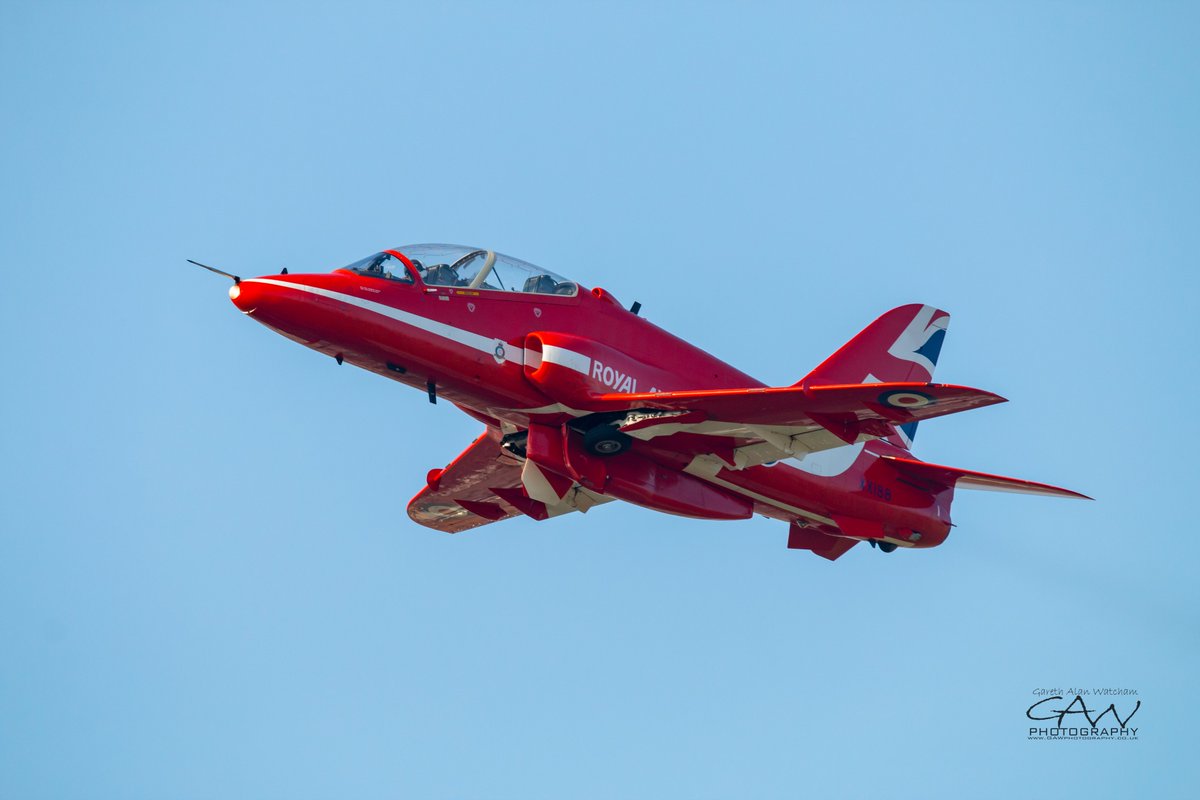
[(1067, 494), (988, 398)]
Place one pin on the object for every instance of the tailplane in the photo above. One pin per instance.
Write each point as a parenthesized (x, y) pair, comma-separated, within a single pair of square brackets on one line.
[(936, 476), (901, 346)]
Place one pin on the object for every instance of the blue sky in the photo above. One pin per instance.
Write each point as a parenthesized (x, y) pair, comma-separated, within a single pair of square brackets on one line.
[(209, 587)]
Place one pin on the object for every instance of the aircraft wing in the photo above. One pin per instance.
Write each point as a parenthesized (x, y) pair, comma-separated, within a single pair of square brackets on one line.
[(486, 484), (792, 419), (806, 405)]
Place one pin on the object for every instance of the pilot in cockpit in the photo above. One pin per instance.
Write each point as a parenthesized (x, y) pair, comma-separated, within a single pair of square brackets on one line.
[(375, 268), (451, 275), (463, 267), (544, 284), (441, 275)]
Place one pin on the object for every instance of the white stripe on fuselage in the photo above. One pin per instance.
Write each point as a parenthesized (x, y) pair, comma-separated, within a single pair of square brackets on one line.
[(517, 355), (553, 354), (556, 355), (475, 341)]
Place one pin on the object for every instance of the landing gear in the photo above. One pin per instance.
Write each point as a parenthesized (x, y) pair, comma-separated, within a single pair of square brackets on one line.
[(605, 440), (887, 547)]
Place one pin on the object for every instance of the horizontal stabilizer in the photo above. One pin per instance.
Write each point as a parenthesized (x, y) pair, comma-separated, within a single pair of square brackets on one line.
[(938, 475)]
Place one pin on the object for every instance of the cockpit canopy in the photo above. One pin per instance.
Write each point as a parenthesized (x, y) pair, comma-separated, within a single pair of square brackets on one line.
[(463, 267)]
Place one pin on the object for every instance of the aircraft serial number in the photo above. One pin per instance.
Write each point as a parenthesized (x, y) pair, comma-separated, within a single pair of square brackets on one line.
[(873, 488)]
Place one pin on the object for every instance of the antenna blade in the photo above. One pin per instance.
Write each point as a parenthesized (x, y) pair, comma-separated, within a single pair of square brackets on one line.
[(235, 278)]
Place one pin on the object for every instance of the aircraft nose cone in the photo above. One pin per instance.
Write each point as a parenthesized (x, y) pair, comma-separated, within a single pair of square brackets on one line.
[(244, 296)]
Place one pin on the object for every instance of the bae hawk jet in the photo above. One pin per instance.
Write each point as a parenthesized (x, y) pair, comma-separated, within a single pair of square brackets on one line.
[(584, 402)]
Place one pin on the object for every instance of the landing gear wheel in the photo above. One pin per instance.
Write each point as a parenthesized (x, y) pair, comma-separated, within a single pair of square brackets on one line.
[(887, 547), (605, 440)]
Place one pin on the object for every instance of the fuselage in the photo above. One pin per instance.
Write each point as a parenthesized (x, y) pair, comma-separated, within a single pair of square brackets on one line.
[(487, 351)]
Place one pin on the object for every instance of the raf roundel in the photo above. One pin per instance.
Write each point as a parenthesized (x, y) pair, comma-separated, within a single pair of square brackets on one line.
[(906, 399)]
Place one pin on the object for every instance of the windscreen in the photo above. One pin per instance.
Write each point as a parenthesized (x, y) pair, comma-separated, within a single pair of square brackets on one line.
[(382, 265)]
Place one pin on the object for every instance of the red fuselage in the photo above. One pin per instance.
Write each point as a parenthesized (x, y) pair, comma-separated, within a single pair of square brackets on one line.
[(491, 353)]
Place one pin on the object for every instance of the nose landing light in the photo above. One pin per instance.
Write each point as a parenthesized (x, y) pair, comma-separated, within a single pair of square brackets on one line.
[(241, 298)]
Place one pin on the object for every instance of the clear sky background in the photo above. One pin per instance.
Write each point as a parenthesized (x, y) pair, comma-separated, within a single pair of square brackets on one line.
[(208, 584)]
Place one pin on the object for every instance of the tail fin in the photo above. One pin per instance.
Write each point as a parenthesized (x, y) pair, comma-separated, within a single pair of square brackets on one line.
[(902, 345)]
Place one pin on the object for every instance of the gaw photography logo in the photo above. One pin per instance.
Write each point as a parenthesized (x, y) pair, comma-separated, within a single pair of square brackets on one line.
[(1079, 714)]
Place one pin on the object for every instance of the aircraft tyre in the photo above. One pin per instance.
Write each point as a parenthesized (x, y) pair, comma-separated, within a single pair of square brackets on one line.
[(605, 440), (887, 547)]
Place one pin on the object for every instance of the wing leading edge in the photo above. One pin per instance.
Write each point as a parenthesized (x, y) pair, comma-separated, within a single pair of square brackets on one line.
[(862, 404)]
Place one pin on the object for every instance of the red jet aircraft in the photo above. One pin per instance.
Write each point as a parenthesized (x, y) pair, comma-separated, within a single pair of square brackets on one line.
[(586, 402)]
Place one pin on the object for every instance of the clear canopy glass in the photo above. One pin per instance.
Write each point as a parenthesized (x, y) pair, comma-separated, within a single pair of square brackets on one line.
[(476, 268)]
